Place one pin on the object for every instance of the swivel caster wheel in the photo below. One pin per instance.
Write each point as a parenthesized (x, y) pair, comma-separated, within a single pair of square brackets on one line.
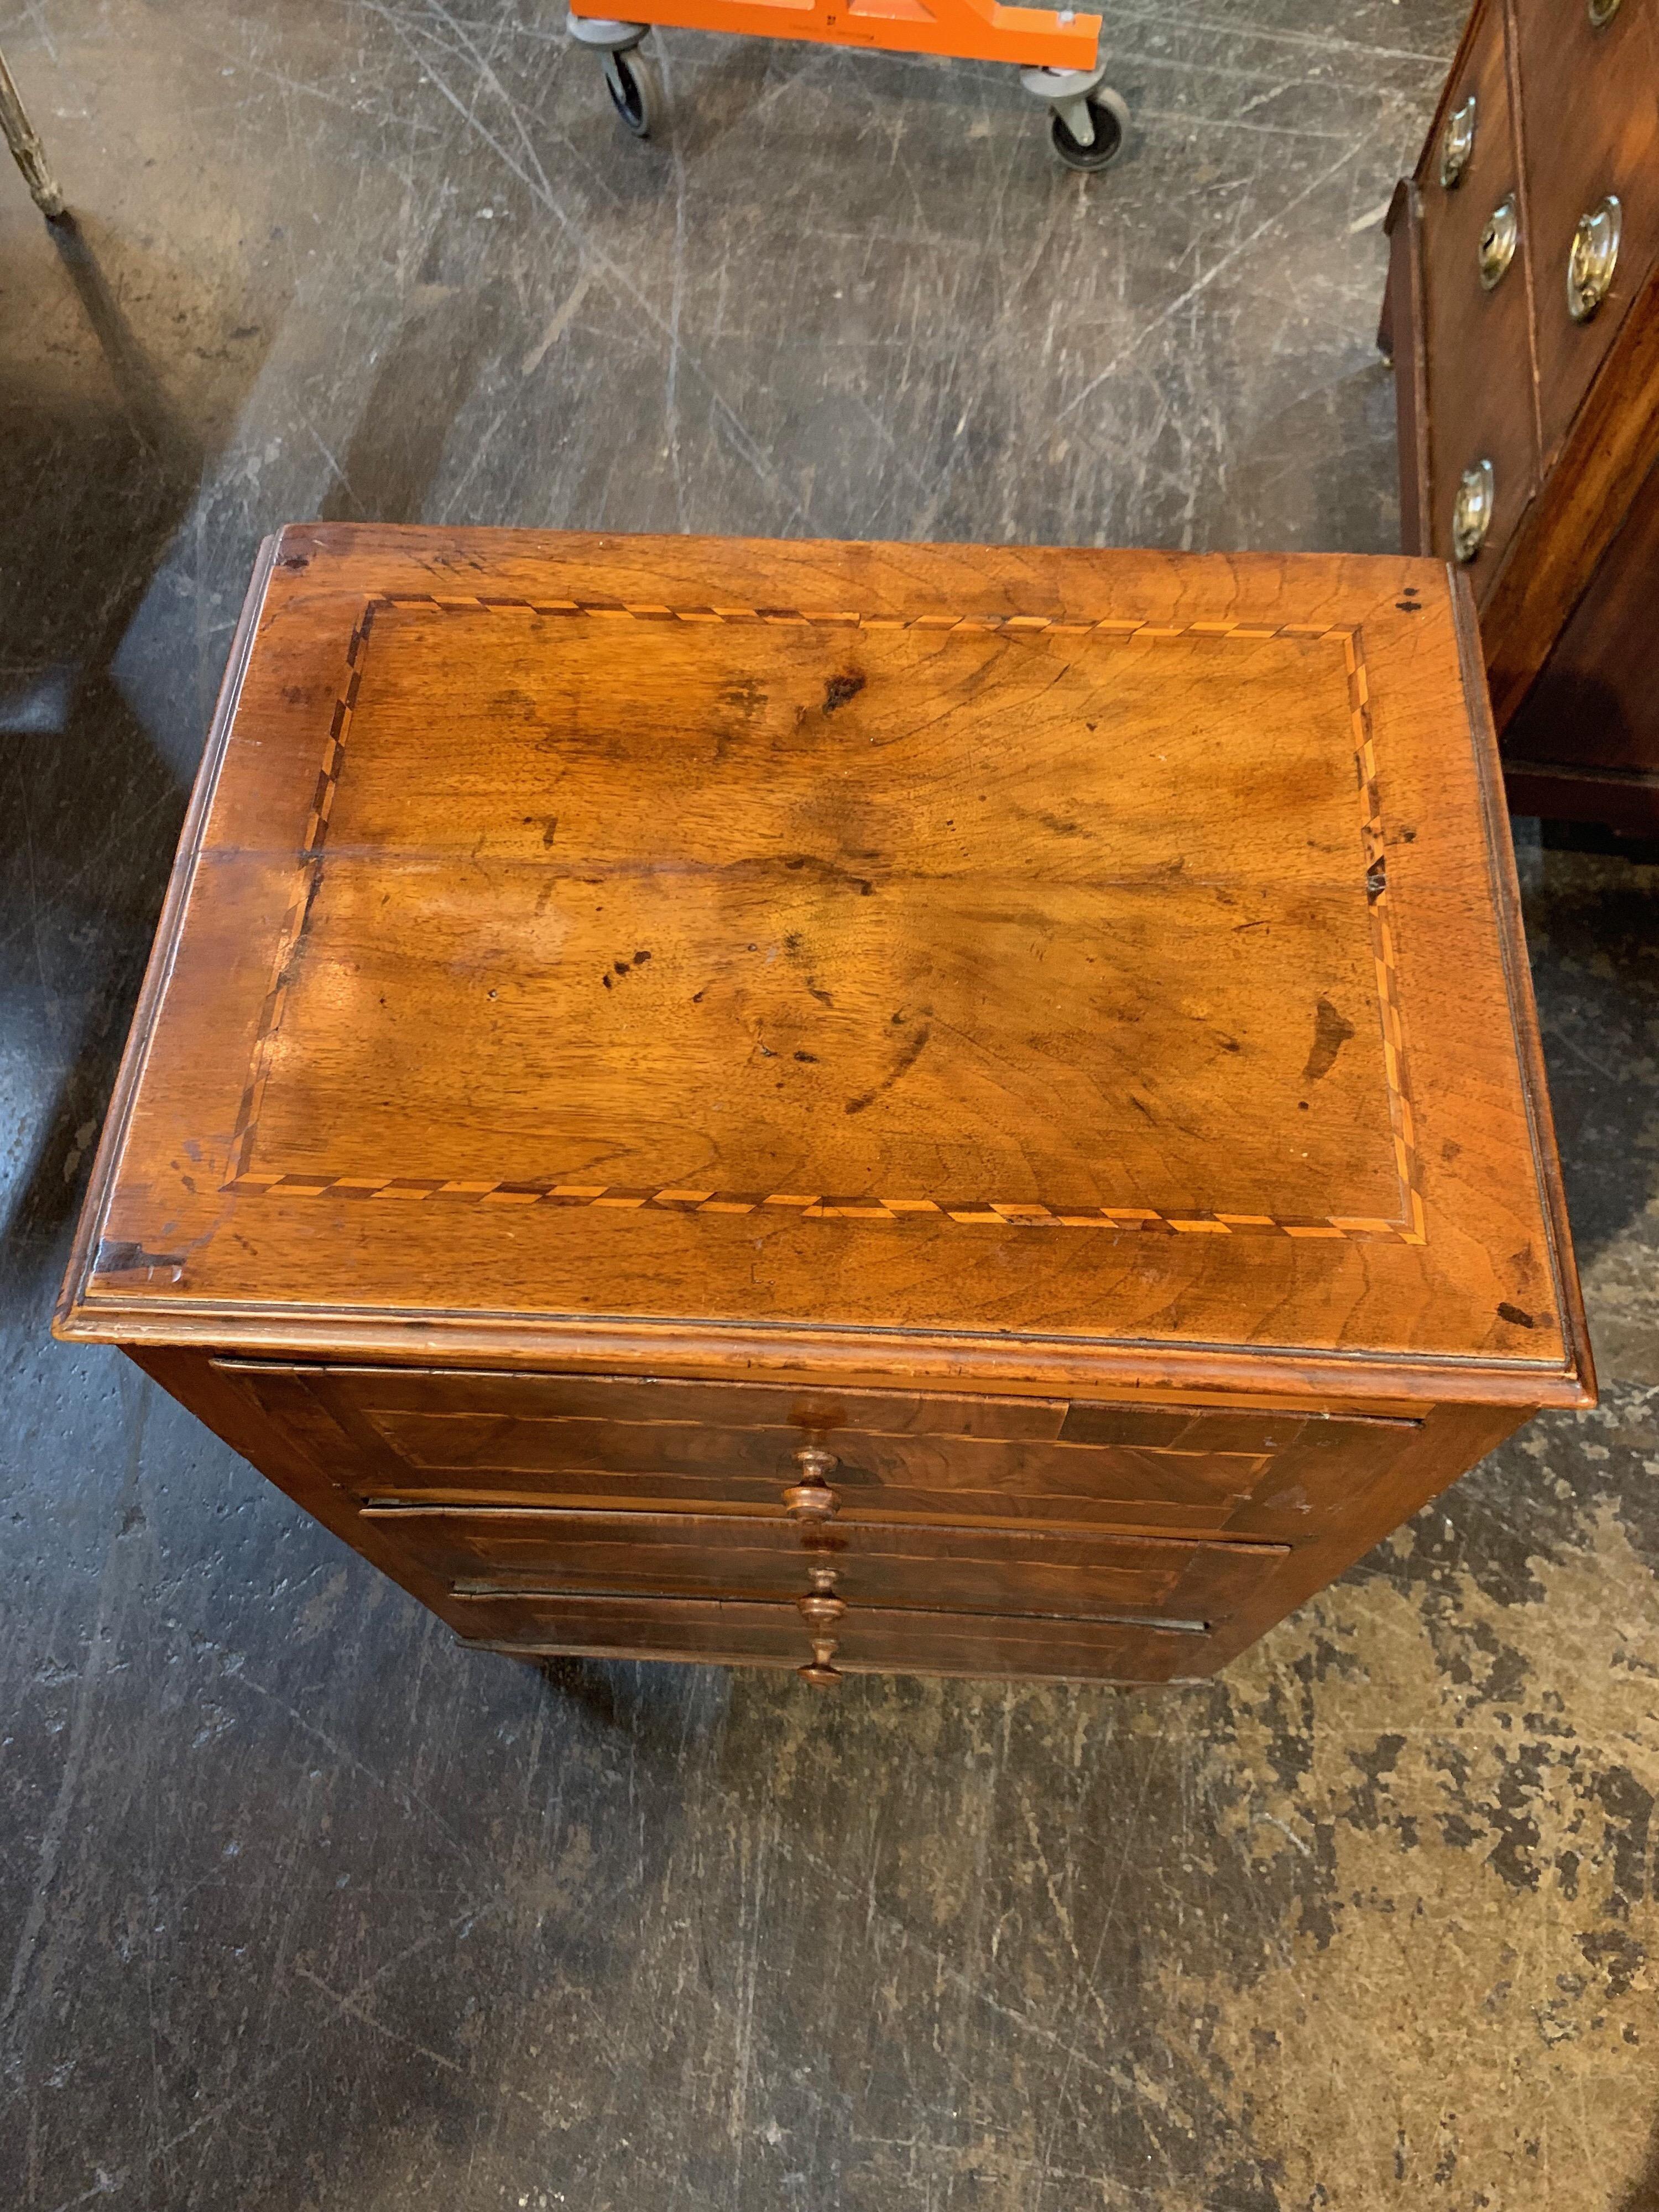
[(632, 84), (1107, 119), (1088, 121), (629, 77)]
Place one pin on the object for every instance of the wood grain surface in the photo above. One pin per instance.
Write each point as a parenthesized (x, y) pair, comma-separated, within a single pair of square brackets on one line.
[(874, 1640), (1400, 336), (1594, 700), (1072, 1574), (454, 1436), (589, 943)]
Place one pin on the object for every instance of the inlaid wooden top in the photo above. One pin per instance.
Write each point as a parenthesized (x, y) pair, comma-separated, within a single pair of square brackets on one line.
[(973, 960)]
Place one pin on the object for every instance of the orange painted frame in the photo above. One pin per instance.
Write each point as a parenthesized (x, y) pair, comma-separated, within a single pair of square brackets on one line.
[(966, 30)]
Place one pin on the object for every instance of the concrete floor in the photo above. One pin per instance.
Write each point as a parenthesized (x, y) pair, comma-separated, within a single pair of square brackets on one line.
[(302, 1906)]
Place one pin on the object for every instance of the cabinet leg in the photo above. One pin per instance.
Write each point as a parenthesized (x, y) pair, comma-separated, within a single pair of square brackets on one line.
[(28, 152)]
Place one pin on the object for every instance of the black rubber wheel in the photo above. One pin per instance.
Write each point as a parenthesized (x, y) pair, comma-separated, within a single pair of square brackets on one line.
[(1107, 145), (632, 95)]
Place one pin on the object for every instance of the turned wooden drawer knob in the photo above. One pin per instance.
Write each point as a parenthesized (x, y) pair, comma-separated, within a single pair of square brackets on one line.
[(821, 1609), (811, 1497)]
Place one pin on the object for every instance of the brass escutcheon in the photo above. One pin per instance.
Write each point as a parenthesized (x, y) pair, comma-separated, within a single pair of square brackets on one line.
[(1472, 510), (1497, 241), (1592, 259), (1457, 143), (1601, 13)]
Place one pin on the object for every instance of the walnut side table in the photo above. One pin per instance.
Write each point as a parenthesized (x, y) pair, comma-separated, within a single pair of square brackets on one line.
[(882, 1107)]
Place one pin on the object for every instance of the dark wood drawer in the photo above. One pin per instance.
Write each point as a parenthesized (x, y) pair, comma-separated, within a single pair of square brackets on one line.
[(1589, 110), (1478, 343), (736, 1633), (438, 1436), (484, 1550)]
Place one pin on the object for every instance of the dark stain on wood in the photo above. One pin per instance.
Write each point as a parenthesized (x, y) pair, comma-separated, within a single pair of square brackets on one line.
[(840, 689), (117, 1257), (1330, 1032), (831, 871), (909, 1054)]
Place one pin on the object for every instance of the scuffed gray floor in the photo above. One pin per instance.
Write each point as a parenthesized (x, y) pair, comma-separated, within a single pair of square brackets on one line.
[(301, 1906)]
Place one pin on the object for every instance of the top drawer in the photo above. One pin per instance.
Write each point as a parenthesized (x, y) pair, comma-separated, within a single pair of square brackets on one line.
[(1477, 335), (464, 1436), (1589, 131)]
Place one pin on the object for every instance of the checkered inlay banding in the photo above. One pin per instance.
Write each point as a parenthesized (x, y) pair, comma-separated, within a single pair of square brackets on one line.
[(809, 1206), (989, 1213)]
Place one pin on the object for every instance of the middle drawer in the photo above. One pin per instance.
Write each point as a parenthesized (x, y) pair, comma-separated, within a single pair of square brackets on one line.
[(486, 1551)]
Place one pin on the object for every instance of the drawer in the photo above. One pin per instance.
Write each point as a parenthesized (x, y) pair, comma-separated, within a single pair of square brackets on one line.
[(1476, 343), (448, 1436), (1590, 118), (736, 1632), (482, 1552)]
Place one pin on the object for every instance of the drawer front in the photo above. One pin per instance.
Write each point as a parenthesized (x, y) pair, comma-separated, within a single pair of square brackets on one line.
[(1589, 112), (1477, 342), (444, 1435), (738, 1634), (484, 1552)]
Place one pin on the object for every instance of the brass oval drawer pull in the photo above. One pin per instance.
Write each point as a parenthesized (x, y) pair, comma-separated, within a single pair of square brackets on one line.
[(1458, 144), (821, 1611), (1592, 259), (1499, 241), (1601, 13), (1472, 510), (811, 1497)]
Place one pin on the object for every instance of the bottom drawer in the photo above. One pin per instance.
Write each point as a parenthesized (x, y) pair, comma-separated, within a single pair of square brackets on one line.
[(735, 1633), (482, 1552)]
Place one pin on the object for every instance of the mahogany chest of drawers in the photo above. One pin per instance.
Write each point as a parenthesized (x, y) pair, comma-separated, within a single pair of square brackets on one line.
[(878, 1106), (1522, 317)]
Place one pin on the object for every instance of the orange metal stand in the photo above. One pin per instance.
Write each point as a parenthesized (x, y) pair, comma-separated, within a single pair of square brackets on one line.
[(969, 30), (1055, 51)]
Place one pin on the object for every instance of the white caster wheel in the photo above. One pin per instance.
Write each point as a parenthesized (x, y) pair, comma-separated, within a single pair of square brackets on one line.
[(633, 88)]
